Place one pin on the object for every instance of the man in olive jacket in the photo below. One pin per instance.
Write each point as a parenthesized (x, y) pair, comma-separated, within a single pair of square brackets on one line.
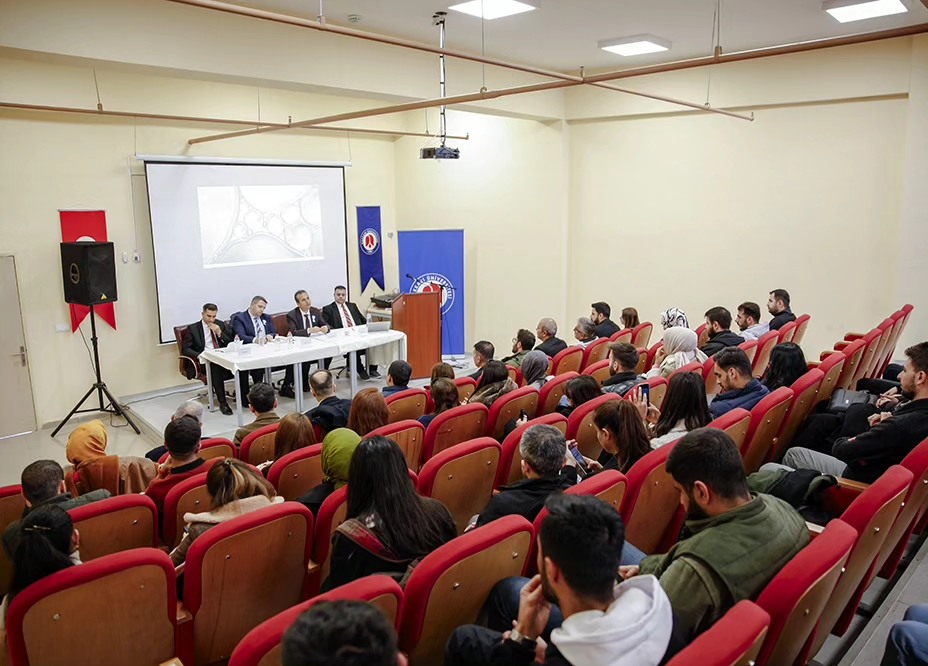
[(734, 542)]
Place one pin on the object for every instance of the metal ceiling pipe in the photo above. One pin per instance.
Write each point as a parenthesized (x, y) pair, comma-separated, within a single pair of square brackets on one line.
[(219, 121)]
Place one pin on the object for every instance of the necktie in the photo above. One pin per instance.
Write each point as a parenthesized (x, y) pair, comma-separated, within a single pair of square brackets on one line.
[(306, 321), (259, 329), (215, 339), (347, 316)]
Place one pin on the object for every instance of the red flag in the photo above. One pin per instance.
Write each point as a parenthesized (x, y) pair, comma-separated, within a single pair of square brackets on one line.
[(86, 225)]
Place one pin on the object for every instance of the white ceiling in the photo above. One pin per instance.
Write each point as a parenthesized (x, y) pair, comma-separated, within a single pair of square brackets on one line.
[(563, 34)]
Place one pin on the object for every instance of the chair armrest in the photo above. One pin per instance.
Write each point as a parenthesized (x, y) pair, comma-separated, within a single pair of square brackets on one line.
[(173, 662), (814, 530), (313, 568), (183, 615), (855, 486), (179, 569), (187, 359), (840, 346), (850, 337), (826, 354), (811, 365)]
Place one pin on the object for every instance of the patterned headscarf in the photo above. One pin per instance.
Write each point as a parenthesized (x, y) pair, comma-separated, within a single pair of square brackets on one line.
[(674, 317)]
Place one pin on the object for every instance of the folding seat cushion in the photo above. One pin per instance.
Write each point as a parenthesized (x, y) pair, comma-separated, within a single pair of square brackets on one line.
[(735, 640)]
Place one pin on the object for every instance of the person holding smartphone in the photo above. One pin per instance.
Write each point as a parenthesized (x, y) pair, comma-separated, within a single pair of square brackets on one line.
[(622, 435)]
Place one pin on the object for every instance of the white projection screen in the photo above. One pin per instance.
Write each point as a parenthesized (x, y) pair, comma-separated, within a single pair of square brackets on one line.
[(223, 233)]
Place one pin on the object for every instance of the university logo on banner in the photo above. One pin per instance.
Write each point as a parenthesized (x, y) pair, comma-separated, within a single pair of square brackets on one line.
[(370, 241), (370, 248), (432, 282)]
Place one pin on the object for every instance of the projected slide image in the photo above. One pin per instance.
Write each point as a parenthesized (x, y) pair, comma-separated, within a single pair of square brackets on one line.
[(259, 224)]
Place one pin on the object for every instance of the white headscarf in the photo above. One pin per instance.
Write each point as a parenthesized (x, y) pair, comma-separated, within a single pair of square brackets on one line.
[(680, 344)]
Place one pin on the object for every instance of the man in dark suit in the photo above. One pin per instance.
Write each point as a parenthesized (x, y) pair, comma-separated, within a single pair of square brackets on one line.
[(209, 333), (605, 327), (341, 313), (248, 326), (302, 320), (546, 331), (332, 411)]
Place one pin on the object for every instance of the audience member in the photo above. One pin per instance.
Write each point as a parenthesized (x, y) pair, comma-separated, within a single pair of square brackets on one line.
[(261, 402), (623, 360), (209, 333), (445, 396), (685, 408), (42, 484), (907, 644), (522, 344), (674, 317), (546, 331), (338, 448), (234, 489), (303, 320), (341, 633), (622, 435), (483, 353), (398, 375), (543, 450), (585, 332), (182, 437), (249, 326), (332, 411), (749, 323), (94, 469), (787, 364), (738, 387), (494, 382), (49, 544), (388, 525), (736, 541), (630, 318), (778, 306), (294, 432), (578, 391), (718, 320), (342, 313), (369, 411), (191, 407), (678, 350), (604, 623), (603, 326), (891, 437), (441, 370), (535, 369)]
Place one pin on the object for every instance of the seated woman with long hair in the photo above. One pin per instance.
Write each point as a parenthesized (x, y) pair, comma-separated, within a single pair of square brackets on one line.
[(535, 369), (494, 382), (678, 350), (629, 318), (441, 370), (294, 432), (388, 526), (578, 391), (445, 396), (234, 489), (787, 364), (338, 449), (94, 469), (48, 545), (621, 433), (369, 411), (685, 408)]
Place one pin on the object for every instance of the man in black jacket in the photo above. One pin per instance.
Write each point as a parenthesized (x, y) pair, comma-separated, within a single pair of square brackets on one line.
[(778, 307), (623, 359), (303, 320), (604, 327), (543, 449), (718, 319), (892, 435), (332, 411), (546, 331), (342, 313), (483, 353), (210, 333)]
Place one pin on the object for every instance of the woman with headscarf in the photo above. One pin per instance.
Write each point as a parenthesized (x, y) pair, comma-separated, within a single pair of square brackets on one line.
[(678, 350), (95, 470), (337, 449), (535, 369), (674, 317)]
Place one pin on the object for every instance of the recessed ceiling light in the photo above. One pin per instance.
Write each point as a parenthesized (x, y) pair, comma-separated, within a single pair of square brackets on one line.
[(855, 10), (635, 45), (492, 9)]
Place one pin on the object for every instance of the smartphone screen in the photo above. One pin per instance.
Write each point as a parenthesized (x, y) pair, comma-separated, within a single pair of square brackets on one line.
[(581, 461), (646, 392)]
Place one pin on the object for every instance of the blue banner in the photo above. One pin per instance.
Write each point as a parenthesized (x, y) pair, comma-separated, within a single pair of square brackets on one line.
[(435, 260), (370, 248)]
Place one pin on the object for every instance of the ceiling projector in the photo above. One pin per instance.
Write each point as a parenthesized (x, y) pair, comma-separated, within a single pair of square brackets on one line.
[(439, 153)]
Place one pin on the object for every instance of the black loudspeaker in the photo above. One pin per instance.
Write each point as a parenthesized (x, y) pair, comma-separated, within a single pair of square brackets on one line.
[(88, 270)]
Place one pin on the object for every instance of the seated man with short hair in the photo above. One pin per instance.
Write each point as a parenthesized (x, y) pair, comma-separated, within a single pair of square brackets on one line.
[(483, 353), (341, 633), (182, 437), (261, 402), (43, 485), (546, 332), (718, 319), (749, 323), (604, 326), (778, 306), (543, 449), (737, 384), (623, 359), (398, 375), (585, 332), (522, 344), (192, 407), (605, 624), (332, 411)]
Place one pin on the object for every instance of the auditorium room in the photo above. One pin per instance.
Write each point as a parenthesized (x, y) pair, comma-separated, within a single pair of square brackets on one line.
[(481, 332)]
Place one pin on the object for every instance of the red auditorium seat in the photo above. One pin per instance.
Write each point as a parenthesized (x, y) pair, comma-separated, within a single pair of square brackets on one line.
[(407, 405), (508, 407), (625, 335), (457, 425), (787, 331), (832, 367), (595, 352), (214, 447), (765, 345), (805, 397), (551, 393), (408, 435), (735, 424), (749, 347), (331, 514), (580, 425), (767, 418), (567, 360), (12, 504), (258, 446), (802, 325), (298, 472), (598, 371), (651, 509), (510, 468), (466, 387), (188, 496), (735, 640), (116, 524), (641, 334)]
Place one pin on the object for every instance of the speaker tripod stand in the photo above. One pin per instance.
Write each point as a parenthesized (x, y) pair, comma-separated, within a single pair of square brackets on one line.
[(99, 386)]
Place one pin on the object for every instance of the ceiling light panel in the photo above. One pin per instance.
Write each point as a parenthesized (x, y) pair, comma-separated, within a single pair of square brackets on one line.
[(492, 9), (635, 45), (845, 11)]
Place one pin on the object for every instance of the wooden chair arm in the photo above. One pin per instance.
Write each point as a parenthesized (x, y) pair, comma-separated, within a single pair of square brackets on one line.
[(814, 530), (826, 354), (313, 568), (173, 662), (183, 615), (856, 486), (840, 346), (811, 365), (850, 337)]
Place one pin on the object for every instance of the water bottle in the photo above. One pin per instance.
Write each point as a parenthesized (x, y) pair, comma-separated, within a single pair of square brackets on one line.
[(290, 338)]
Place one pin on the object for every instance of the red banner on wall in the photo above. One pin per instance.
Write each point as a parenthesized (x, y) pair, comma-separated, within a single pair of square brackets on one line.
[(86, 225)]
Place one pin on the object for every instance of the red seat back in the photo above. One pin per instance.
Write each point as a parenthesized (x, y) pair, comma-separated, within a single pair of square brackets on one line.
[(510, 462), (457, 425), (258, 446), (802, 325), (657, 387), (409, 436), (214, 447), (331, 514), (508, 407), (595, 352), (407, 405), (580, 425), (765, 345), (805, 397), (916, 502), (649, 359), (692, 366), (702, 334), (708, 375), (749, 347), (641, 334), (832, 367), (466, 387), (12, 504), (515, 375), (735, 640), (116, 524), (551, 393), (298, 472), (767, 418), (598, 371), (854, 353), (651, 509), (735, 424), (787, 331), (567, 360), (188, 496), (625, 335)]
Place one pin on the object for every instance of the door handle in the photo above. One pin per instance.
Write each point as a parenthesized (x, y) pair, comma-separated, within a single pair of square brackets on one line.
[(21, 354)]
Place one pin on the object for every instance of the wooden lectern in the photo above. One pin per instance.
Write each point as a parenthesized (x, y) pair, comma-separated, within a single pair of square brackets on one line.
[(418, 316)]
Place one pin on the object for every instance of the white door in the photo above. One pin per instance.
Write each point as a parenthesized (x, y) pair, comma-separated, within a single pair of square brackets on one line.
[(17, 412)]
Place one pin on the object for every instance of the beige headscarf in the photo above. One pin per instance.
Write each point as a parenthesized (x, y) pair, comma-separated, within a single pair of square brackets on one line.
[(680, 344), (86, 442)]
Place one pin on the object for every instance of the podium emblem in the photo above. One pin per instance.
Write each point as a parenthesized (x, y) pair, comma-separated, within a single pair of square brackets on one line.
[(429, 282)]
